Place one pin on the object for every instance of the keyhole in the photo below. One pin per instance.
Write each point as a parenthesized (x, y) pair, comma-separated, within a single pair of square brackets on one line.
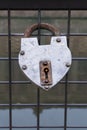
[(46, 70), (45, 73)]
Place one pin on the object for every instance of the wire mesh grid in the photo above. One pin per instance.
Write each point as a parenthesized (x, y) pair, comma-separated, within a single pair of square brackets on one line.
[(66, 82)]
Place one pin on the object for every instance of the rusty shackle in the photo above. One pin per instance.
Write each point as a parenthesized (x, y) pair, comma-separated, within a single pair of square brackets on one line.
[(45, 26)]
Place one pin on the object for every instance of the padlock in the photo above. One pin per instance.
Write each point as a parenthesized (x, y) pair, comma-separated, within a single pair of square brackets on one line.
[(44, 65)]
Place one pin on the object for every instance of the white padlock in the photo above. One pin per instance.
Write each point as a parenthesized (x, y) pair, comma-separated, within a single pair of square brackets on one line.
[(44, 65)]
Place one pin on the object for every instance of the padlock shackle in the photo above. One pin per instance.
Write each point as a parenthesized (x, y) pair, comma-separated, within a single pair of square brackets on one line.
[(46, 26)]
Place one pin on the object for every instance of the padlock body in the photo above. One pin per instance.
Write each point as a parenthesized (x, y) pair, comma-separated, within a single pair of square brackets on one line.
[(56, 52)]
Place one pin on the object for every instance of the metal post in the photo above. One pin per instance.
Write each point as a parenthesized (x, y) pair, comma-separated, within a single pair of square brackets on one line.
[(66, 78), (9, 55), (38, 90)]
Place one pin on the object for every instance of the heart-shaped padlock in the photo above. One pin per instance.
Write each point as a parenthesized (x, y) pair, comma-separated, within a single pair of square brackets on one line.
[(45, 65)]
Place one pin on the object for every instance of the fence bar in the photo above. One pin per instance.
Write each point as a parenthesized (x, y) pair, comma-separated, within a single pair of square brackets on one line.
[(61, 82), (73, 58), (66, 78), (38, 90), (45, 34), (9, 55), (45, 105)]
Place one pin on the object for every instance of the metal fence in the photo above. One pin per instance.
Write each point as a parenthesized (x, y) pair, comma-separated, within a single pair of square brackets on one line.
[(66, 82)]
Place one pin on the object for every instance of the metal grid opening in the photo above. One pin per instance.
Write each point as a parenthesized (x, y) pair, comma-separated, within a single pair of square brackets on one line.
[(15, 86)]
